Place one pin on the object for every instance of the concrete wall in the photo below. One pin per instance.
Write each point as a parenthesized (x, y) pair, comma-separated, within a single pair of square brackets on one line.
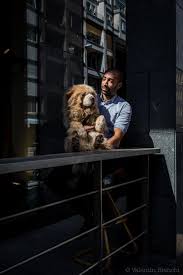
[(179, 122), (151, 90)]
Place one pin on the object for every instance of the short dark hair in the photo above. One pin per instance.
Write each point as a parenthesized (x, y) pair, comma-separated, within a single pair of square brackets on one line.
[(115, 71)]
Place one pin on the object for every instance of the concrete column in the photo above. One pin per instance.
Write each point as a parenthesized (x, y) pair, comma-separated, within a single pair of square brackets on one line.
[(179, 125), (151, 90)]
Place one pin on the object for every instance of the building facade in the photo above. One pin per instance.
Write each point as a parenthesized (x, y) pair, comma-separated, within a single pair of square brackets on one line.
[(104, 29)]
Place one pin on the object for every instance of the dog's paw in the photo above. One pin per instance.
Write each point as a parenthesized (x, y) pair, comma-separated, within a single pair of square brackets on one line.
[(99, 139), (100, 124)]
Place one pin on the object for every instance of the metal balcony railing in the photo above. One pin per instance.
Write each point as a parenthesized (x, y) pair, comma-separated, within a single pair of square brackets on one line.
[(98, 158)]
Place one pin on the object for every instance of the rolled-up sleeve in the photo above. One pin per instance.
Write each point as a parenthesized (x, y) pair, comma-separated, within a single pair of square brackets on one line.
[(123, 117)]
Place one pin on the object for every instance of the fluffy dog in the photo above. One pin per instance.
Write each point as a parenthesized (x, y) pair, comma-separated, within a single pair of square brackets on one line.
[(81, 109)]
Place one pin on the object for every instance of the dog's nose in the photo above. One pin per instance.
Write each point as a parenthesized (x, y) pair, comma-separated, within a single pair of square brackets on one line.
[(92, 100)]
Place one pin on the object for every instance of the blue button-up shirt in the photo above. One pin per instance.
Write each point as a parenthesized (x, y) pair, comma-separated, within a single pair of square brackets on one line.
[(117, 113)]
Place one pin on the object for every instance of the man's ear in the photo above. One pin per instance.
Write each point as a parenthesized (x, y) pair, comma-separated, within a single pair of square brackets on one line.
[(119, 85)]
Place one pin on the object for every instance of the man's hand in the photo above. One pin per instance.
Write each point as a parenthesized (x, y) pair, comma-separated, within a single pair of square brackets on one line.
[(88, 128), (115, 140)]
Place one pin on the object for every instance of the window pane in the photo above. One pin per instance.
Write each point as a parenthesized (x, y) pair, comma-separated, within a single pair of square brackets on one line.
[(41, 67)]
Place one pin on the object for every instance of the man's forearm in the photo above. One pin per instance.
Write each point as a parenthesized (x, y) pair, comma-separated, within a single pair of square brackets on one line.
[(116, 138)]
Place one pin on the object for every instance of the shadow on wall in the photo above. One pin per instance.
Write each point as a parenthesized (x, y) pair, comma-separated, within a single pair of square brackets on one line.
[(137, 139), (162, 201), (162, 212)]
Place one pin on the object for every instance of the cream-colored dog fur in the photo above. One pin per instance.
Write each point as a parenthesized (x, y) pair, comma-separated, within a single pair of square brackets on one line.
[(81, 109)]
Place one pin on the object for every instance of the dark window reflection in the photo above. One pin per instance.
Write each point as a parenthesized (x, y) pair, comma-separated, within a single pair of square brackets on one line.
[(41, 58), (94, 60), (61, 192), (75, 24), (47, 207), (71, 258), (95, 82), (54, 11)]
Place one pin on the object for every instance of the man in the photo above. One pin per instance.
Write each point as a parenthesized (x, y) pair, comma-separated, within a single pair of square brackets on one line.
[(115, 109), (117, 113)]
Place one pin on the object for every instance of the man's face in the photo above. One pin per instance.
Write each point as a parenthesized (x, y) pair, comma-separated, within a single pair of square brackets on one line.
[(110, 84)]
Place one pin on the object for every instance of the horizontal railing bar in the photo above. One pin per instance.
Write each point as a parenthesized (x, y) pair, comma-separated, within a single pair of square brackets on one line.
[(124, 215), (46, 206), (114, 252), (48, 250), (12, 165), (124, 183), (66, 242), (89, 268), (123, 246)]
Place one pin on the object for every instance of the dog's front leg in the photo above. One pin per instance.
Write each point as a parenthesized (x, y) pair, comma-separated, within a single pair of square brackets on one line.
[(77, 127), (95, 139), (100, 124), (72, 143)]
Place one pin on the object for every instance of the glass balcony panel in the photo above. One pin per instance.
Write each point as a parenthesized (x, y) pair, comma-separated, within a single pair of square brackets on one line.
[(70, 258), (36, 188), (122, 232)]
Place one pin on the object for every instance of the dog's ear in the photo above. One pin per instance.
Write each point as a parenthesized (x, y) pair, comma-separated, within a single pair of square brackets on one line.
[(66, 98), (69, 92)]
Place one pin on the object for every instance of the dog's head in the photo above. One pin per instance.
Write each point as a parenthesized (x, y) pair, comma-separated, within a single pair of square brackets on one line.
[(82, 96)]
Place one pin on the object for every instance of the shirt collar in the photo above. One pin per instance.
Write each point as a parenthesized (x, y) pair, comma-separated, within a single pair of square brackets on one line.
[(108, 101)]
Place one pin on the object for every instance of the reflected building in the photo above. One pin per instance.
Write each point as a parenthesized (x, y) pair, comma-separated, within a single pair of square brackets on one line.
[(61, 65), (48, 46), (104, 29), (42, 55), (31, 76)]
